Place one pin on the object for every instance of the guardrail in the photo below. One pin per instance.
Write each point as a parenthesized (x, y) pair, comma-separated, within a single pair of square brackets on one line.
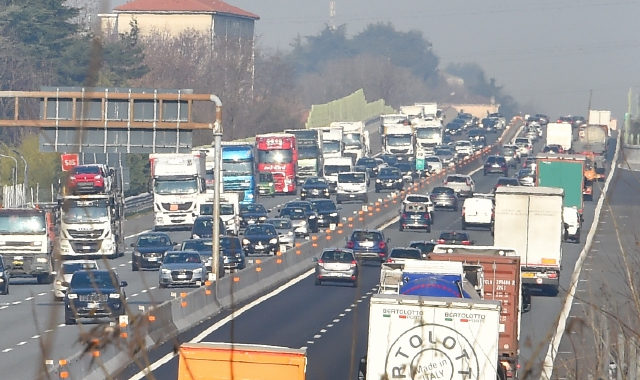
[(161, 323), (138, 203)]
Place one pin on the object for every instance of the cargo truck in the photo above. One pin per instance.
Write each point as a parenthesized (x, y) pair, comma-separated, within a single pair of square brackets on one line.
[(414, 113), (390, 119), (415, 337), (233, 361), (400, 140), (597, 117), (354, 138), (560, 134), (332, 145), (499, 270), (310, 159), (593, 141), (565, 171), (529, 220)]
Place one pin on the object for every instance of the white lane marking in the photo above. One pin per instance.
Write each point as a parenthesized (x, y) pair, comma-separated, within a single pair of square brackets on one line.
[(308, 342), (42, 294), (122, 265), (236, 313), (153, 287), (7, 350), (144, 290), (330, 325), (28, 298), (317, 336), (21, 343), (16, 303), (347, 310), (61, 325), (336, 320), (48, 331), (342, 315), (3, 307), (323, 331), (134, 295), (35, 337), (137, 234)]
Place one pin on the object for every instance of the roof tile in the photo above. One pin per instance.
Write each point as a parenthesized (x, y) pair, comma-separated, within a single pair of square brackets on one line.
[(204, 6)]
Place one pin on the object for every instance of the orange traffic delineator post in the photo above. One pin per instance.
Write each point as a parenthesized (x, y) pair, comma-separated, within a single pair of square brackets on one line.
[(236, 279), (339, 232), (278, 261), (298, 245), (298, 252), (258, 261), (183, 294), (258, 269), (279, 253), (183, 304), (340, 225)]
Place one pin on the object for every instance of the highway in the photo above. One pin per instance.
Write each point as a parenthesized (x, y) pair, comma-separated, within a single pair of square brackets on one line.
[(332, 320)]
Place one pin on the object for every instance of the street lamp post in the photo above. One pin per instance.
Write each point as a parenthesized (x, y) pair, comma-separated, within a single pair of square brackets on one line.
[(15, 170), (25, 179)]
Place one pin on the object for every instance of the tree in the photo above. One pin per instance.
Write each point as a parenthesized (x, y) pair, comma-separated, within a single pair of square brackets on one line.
[(124, 57), (331, 43)]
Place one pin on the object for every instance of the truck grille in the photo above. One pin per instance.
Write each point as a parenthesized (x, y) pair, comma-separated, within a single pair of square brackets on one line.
[(18, 243), (76, 234), (398, 150), (177, 207), (176, 273), (236, 185), (93, 297), (85, 246)]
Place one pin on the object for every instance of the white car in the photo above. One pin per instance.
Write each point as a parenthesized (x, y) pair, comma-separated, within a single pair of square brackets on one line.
[(462, 184), (477, 212), (464, 147), (525, 146), (419, 198), (66, 271), (433, 163)]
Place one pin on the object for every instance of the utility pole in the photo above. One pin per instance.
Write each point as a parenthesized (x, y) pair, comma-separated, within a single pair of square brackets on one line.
[(589, 105), (217, 142), (25, 179)]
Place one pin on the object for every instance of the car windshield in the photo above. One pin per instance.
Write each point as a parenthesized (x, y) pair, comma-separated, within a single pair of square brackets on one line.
[(404, 253), (69, 268), (324, 205), (182, 257), (257, 208), (315, 181), (330, 147), (280, 223), (525, 172), (443, 152), (260, 229), (366, 236), (508, 181), (432, 159), (200, 245), (463, 143), (456, 178), (307, 206), (339, 256), (293, 213), (351, 178), (93, 279), (360, 169), (153, 241), (522, 141), (508, 150), (368, 162), (202, 223), (405, 167), (424, 247), (454, 236), (390, 172), (86, 169)]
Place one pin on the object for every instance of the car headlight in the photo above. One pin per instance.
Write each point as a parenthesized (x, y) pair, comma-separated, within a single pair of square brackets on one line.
[(42, 260), (273, 241), (262, 218), (195, 236), (166, 271), (72, 296), (290, 233), (197, 270), (399, 180), (312, 217), (136, 253), (250, 196), (303, 223), (238, 255), (377, 180), (114, 295), (246, 241), (333, 214)]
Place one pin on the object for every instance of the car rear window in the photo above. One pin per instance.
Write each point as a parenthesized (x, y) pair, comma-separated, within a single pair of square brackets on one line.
[(454, 236), (417, 198), (406, 253), (86, 170), (508, 181), (442, 190), (339, 256), (366, 236), (455, 178), (424, 247)]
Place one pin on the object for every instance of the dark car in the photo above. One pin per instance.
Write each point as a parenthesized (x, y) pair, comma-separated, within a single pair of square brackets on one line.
[(526, 177), (371, 164), (553, 148), (543, 119), (478, 144), (336, 264), (299, 220), (252, 214), (496, 164), (400, 255), (315, 187), (455, 238), (363, 169), (203, 227), (577, 121), (444, 197), (311, 211), (205, 247), (415, 215), (477, 134), (389, 179), (447, 155), (4, 278), (328, 212), (94, 294), (233, 257), (506, 181), (454, 127), (261, 239), (489, 124), (369, 244), (426, 247), (564, 119), (408, 170), (149, 249), (389, 159)]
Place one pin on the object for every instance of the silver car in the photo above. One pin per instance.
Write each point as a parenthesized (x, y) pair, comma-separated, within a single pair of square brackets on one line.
[(182, 268), (337, 264), (66, 271), (462, 184), (285, 231)]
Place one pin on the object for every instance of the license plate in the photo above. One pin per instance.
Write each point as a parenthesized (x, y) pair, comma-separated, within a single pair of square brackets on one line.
[(86, 247), (367, 244), (92, 305), (18, 258), (389, 184), (415, 216), (152, 258), (182, 276), (352, 196), (173, 207), (528, 275)]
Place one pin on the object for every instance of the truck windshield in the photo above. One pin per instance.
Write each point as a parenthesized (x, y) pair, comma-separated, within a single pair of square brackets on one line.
[(85, 214), (226, 209), (276, 156), (183, 186), (427, 133), (307, 152), (398, 140), (19, 224), (351, 139), (335, 169), (331, 147), (237, 168)]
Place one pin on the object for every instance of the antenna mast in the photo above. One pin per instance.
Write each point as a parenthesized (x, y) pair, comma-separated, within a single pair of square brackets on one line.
[(332, 14)]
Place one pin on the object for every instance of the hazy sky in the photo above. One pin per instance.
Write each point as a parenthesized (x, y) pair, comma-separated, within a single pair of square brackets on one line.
[(547, 53)]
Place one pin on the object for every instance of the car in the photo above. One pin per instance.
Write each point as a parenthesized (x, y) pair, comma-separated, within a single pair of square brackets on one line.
[(372, 164), (315, 187), (90, 179), (311, 211), (446, 155), (478, 212), (266, 184), (542, 118), (525, 146), (454, 238), (463, 148), (65, 272), (468, 119), (369, 244), (420, 198), (532, 134), (328, 212), (389, 179), (553, 148), (204, 246), (182, 268), (408, 170), (444, 197), (496, 164), (478, 145), (577, 121), (502, 121), (298, 218), (389, 159), (261, 239), (506, 181), (529, 163), (426, 247), (286, 231), (352, 186), (447, 140), (511, 153), (203, 227), (489, 124), (462, 184), (363, 169), (477, 134), (233, 257), (94, 294), (526, 177), (400, 255), (414, 215), (4, 278), (564, 119), (252, 214), (454, 127), (149, 249), (336, 264), (433, 164), (229, 211)]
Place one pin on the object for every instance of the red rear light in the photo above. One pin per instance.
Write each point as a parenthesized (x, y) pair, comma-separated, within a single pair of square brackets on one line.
[(353, 263), (389, 260), (441, 241), (466, 242), (445, 182), (552, 275), (350, 244), (404, 215), (382, 245), (462, 211), (427, 216), (452, 197), (320, 262)]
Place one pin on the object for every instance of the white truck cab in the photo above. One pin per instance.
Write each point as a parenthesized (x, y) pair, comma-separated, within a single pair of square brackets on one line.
[(333, 166)]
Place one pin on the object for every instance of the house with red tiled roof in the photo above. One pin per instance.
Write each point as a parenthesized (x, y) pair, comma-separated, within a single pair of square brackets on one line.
[(217, 17)]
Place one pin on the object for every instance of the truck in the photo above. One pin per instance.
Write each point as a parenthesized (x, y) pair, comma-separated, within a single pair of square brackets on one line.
[(229, 211), (499, 270), (565, 171), (310, 159), (529, 220), (27, 237), (428, 136), (332, 145), (400, 140), (278, 154), (593, 142), (333, 166), (429, 110), (228, 361), (390, 119), (239, 170), (560, 134), (597, 117), (414, 113), (431, 338), (422, 278), (178, 182), (354, 138)]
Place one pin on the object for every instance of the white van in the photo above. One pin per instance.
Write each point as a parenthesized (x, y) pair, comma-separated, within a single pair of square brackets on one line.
[(477, 212), (572, 223), (351, 186)]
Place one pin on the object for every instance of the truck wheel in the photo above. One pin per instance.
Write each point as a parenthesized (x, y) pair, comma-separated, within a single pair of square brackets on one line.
[(162, 286)]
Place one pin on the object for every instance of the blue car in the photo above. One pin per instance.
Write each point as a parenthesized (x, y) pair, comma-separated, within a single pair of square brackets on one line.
[(369, 244), (389, 179), (94, 294), (252, 214), (149, 249)]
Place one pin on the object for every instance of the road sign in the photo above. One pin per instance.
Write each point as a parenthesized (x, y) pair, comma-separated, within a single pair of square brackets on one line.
[(69, 161), (420, 159)]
